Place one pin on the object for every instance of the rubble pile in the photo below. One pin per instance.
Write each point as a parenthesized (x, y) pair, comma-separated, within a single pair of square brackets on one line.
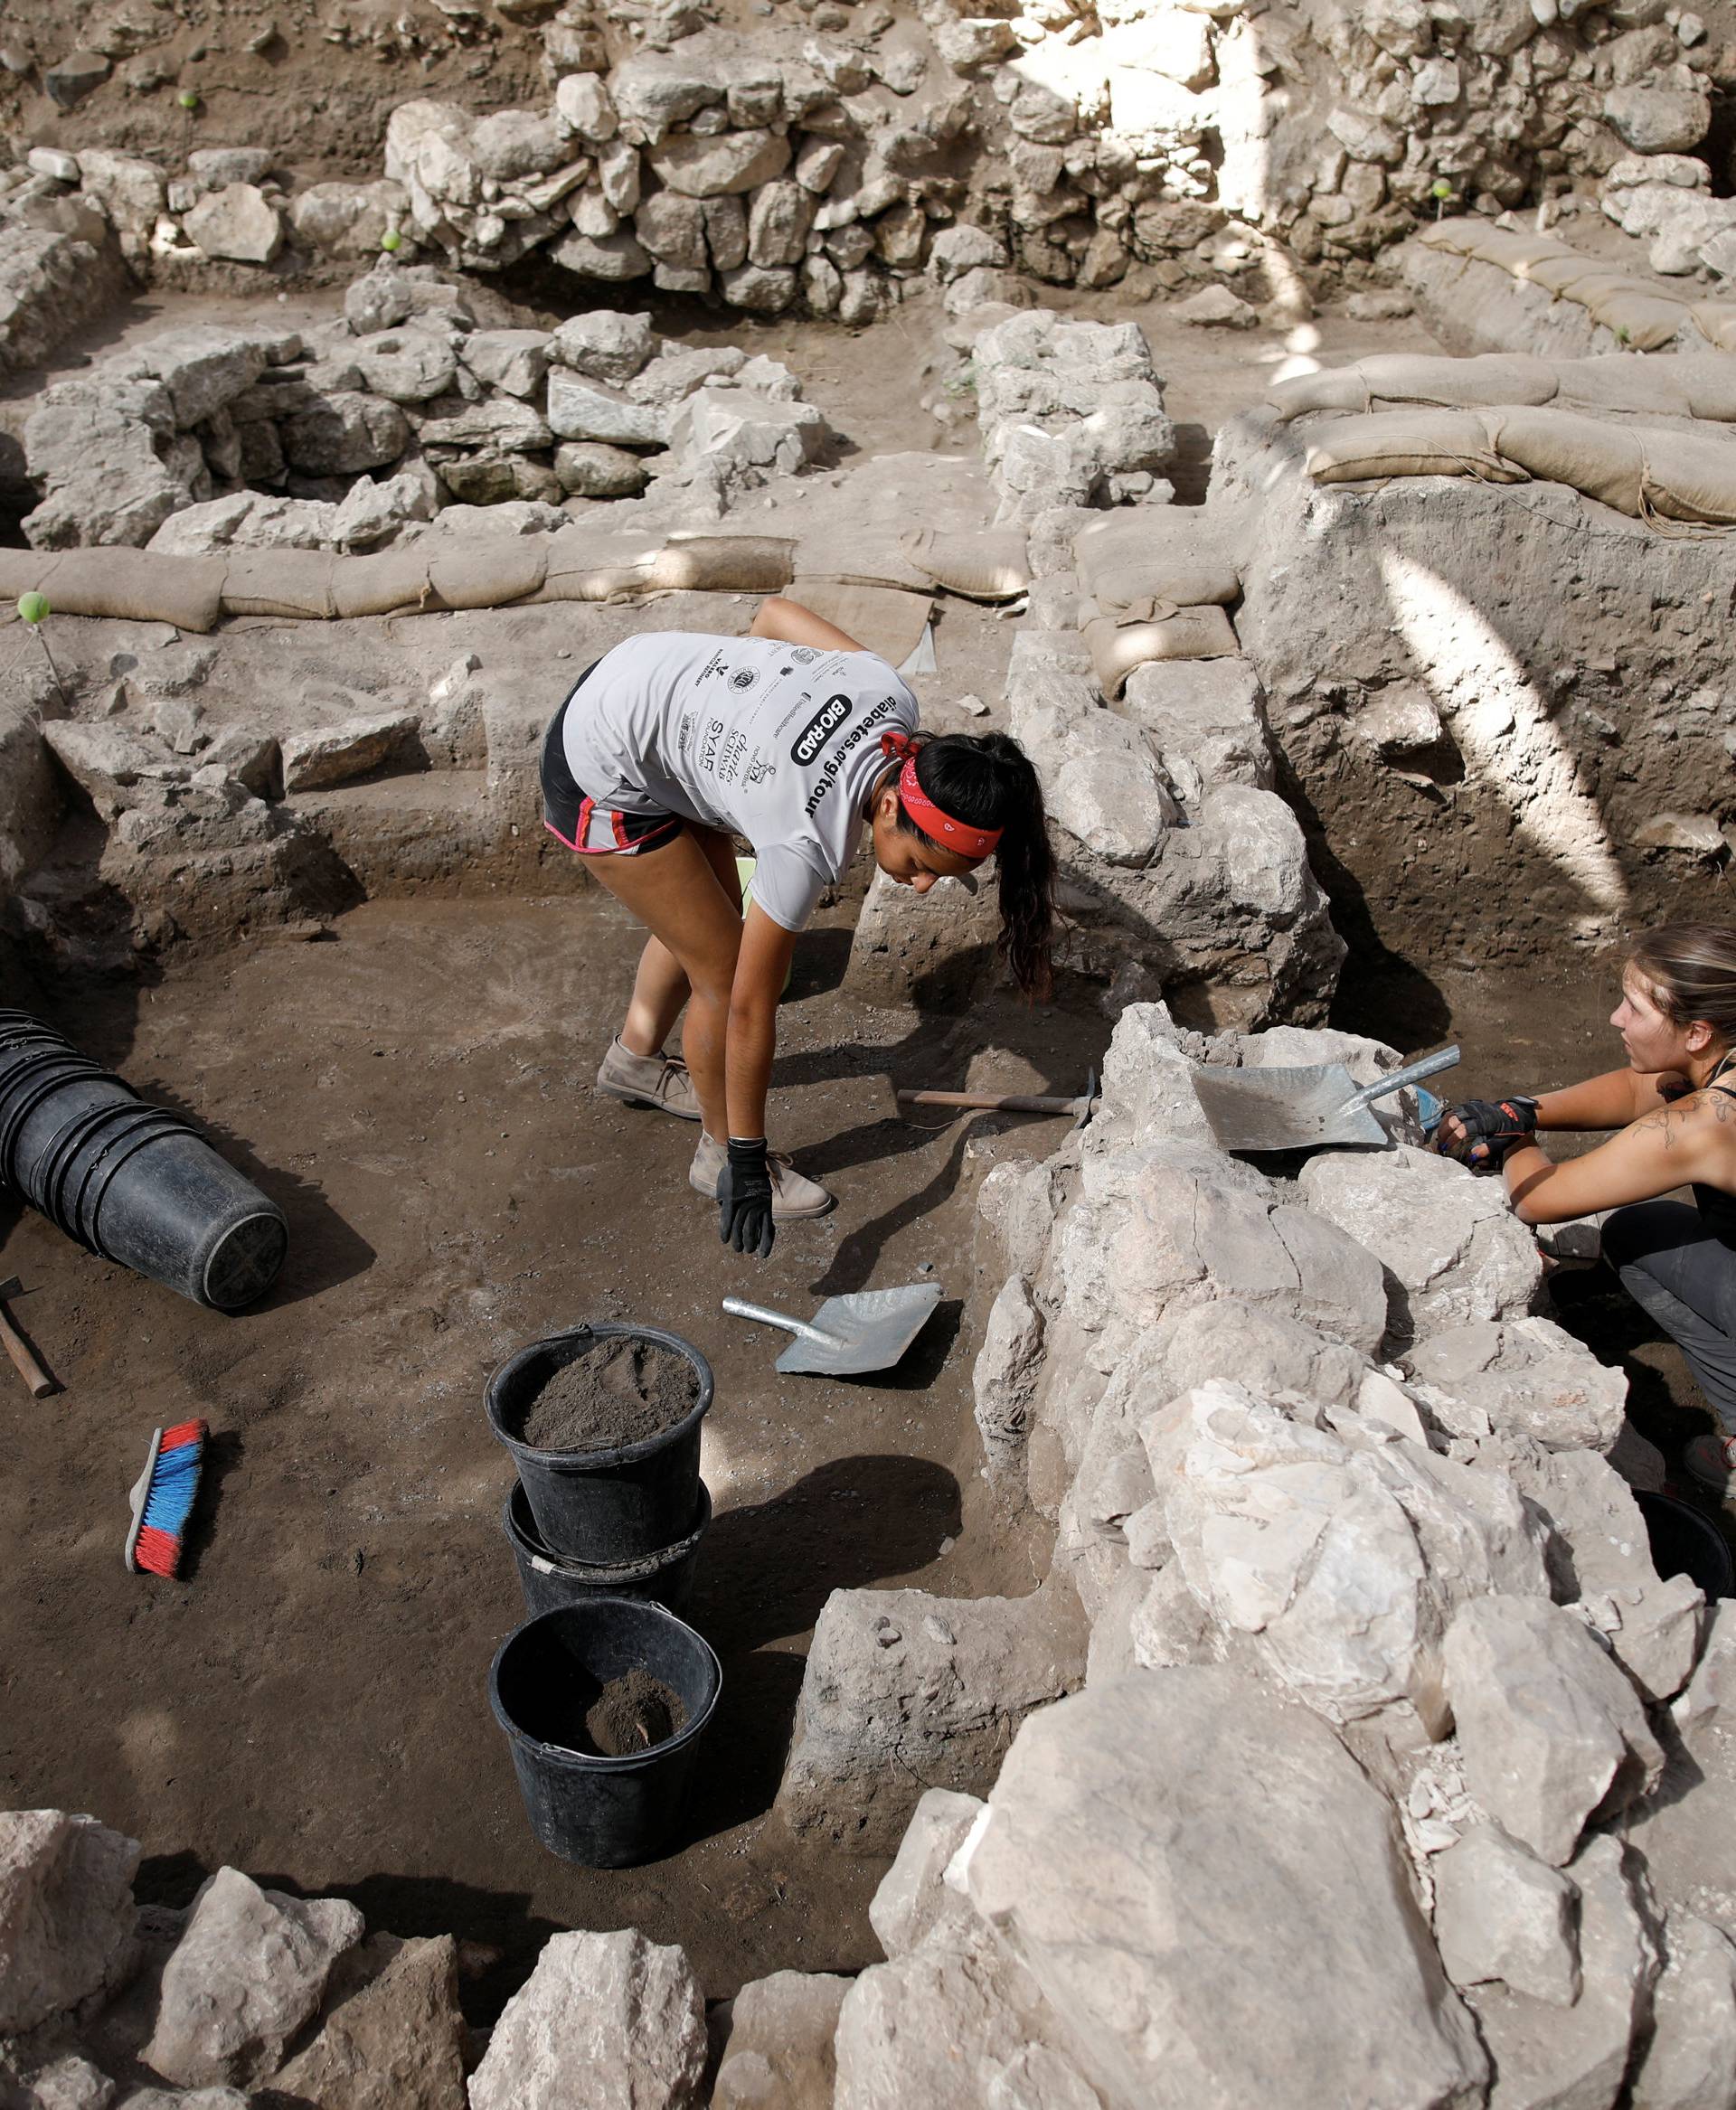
[(213, 438)]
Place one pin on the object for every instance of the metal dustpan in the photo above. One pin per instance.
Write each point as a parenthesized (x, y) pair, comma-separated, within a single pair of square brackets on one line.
[(1317, 1108), (870, 1329)]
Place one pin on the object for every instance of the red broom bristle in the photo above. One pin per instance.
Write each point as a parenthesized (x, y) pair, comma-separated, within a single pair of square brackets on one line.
[(157, 1552), (184, 1432)]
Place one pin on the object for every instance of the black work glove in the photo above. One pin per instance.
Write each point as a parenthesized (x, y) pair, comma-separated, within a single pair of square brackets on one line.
[(1492, 1128), (744, 1199)]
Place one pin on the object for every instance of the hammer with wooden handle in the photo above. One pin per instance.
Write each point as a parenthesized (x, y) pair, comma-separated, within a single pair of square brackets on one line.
[(32, 1371)]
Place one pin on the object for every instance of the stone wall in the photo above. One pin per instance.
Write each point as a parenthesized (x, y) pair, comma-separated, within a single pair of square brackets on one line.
[(811, 157)]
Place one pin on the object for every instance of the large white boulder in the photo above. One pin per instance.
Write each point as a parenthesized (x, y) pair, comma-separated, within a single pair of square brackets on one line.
[(1208, 1892), (610, 2022), (248, 1972), (66, 1913)]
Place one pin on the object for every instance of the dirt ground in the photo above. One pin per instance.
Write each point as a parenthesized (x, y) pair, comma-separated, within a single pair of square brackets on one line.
[(308, 1702)]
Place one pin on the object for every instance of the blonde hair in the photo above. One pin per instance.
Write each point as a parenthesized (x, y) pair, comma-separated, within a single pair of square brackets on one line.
[(1692, 970)]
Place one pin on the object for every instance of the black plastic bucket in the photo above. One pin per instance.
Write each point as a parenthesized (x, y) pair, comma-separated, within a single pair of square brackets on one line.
[(549, 1581), (600, 1812), (1684, 1542), (601, 1506), (133, 1182)]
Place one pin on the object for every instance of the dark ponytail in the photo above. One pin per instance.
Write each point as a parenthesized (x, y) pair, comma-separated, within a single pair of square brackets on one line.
[(987, 780)]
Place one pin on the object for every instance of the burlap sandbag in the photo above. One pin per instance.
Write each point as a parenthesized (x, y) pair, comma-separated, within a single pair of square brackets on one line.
[(1570, 274), (280, 582), (134, 585), (1159, 544), (1639, 315), (1408, 443), (1409, 377), (1116, 649), (991, 566), (880, 619), (1127, 591), (859, 557), (1455, 236), (383, 584), (1604, 460), (486, 573), (1521, 256), (586, 567), (1716, 322), (723, 564), (1622, 383), (1688, 480)]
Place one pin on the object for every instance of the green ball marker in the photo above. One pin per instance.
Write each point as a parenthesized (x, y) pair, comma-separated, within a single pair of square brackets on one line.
[(34, 608), (188, 98), (392, 241), (1441, 188)]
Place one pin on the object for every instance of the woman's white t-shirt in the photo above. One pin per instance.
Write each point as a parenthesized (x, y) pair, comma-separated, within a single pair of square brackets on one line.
[(777, 743)]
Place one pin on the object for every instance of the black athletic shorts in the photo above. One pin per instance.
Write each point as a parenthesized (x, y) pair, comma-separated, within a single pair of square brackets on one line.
[(573, 816)]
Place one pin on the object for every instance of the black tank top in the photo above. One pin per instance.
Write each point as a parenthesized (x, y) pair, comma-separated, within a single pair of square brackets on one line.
[(1717, 1209)]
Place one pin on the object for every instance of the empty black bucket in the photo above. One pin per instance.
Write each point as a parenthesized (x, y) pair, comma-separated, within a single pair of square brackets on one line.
[(132, 1181), (602, 1506), (1684, 1542), (600, 1812), (548, 1582)]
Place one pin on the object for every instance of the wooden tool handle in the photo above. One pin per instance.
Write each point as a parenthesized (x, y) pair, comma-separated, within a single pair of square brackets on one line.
[(996, 1102), (32, 1371)]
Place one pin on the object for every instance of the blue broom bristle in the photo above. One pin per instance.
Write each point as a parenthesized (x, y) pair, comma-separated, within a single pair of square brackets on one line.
[(173, 1483)]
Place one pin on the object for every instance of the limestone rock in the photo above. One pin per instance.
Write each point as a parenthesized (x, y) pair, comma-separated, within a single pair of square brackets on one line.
[(1687, 1832), (513, 144), (66, 1913), (1456, 1250), (1343, 1550), (588, 468), (742, 439), (249, 520), (1576, 2057), (604, 346), (396, 2043), (238, 222), (1140, 1882), (500, 423), (903, 1690), (130, 189), (911, 1899), (216, 168), (250, 1970), (584, 409), (347, 220), (780, 2055), (1502, 1913), (104, 760), (69, 80), (514, 360), (387, 297), (1663, 116), (377, 513), (584, 104), (334, 754), (1691, 2059), (957, 2025), (608, 2021), (1552, 1733), (342, 433), (406, 366), (612, 257), (1205, 717), (1529, 1377), (721, 165), (1217, 308), (1003, 1376), (248, 754)]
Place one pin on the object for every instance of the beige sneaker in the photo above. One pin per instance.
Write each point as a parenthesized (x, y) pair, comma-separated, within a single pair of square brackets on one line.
[(793, 1196), (1712, 1460), (660, 1081)]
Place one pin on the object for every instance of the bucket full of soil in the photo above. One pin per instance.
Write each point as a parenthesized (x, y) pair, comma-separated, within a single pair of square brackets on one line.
[(604, 1705), (550, 1581), (603, 1425)]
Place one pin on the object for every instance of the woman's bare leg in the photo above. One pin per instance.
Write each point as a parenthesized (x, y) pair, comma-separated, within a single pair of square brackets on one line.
[(678, 892), (660, 987)]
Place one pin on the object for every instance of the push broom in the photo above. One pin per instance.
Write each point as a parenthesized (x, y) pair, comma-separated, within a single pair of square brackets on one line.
[(163, 1496)]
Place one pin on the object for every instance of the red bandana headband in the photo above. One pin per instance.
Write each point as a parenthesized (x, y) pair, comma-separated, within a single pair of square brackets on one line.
[(957, 836)]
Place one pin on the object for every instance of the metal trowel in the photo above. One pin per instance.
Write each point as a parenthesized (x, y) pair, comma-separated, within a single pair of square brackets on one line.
[(870, 1329), (1317, 1109)]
